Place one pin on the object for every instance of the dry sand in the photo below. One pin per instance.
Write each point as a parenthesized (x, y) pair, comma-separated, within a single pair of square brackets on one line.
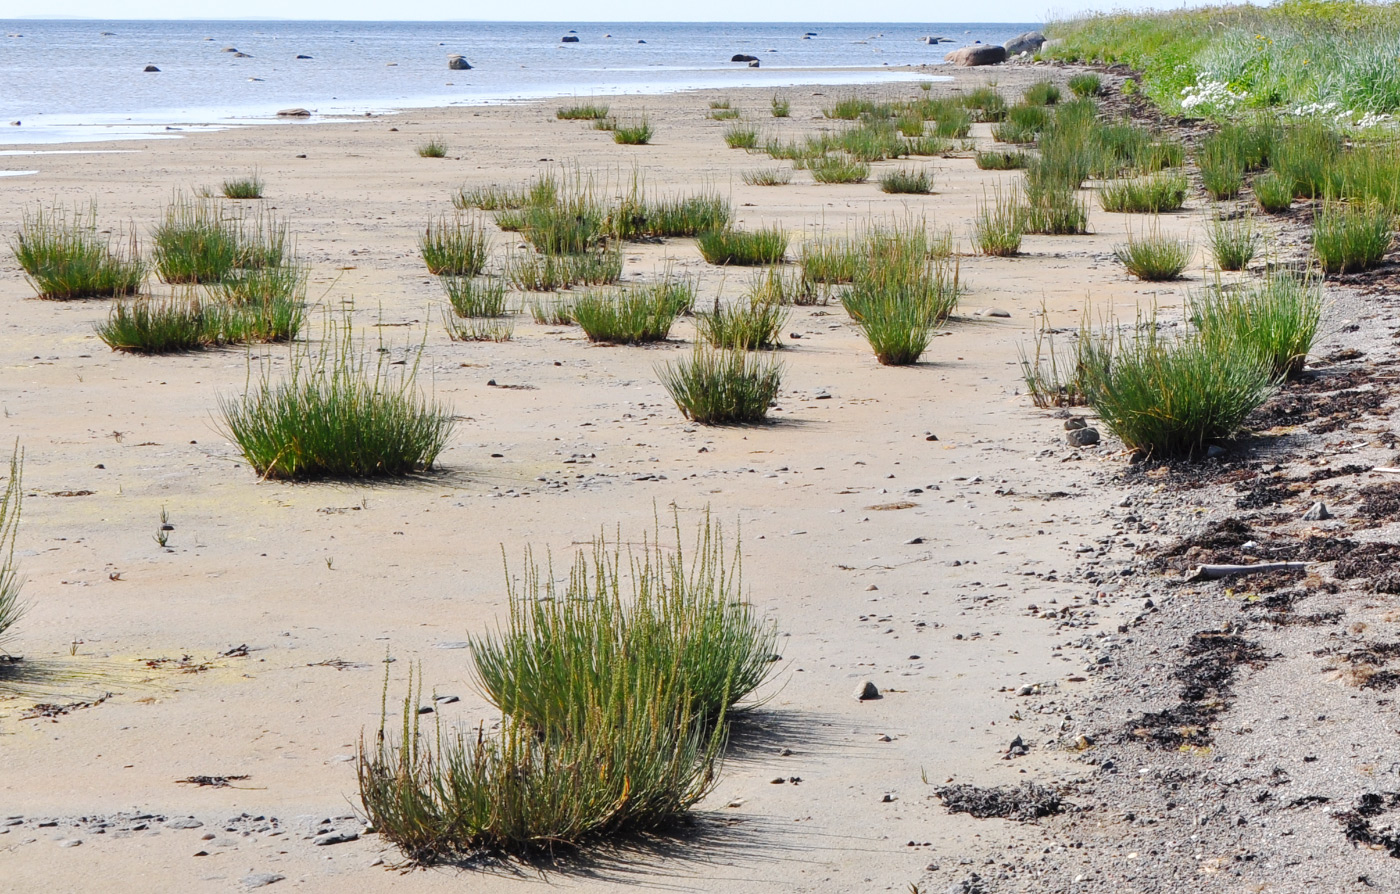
[(320, 582)]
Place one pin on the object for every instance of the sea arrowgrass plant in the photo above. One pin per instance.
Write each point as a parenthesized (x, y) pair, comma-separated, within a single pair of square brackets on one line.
[(1351, 237), (1153, 257), (531, 271), (898, 325), (479, 329), (999, 225), (590, 111), (197, 243), (994, 160), (718, 386), (550, 311), (780, 286), (1041, 93), (1276, 319), (249, 187), (1233, 241), (158, 325), (780, 107), (337, 415), (1052, 379), (839, 169), (831, 261), (1273, 193), (454, 247), (11, 607), (751, 326), (1153, 194), (1085, 84), (65, 258), (1173, 397), (633, 133), (743, 247), (633, 316), (767, 177), (906, 181), (433, 148), (741, 136), (475, 296)]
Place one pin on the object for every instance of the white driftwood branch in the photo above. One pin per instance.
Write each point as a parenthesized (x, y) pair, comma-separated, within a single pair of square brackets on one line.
[(1215, 572)]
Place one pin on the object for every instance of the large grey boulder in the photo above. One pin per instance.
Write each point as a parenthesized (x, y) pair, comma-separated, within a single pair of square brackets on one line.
[(1024, 43), (569, 38), (743, 57), (978, 54), (458, 63)]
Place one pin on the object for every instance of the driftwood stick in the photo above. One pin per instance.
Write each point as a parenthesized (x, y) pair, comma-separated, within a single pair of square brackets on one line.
[(1215, 572)]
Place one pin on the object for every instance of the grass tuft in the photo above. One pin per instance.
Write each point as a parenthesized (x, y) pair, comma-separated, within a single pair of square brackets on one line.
[(753, 327), (633, 133), (434, 148), (722, 387), (1085, 84), (839, 169), (999, 225), (11, 608), (1273, 193), (1145, 195), (454, 247), (1347, 238), (911, 182), (250, 187), (65, 257), (1153, 257), (638, 315), (1233, 242), (1041, 93), (198, 243), (743, 248), (767, 177), (590, 111), (741, 136), (780, 107), (1000, 160), (1275, 319), (337, 416), (473, 297)]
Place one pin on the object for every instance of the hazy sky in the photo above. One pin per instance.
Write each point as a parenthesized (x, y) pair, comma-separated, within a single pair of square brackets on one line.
[(561, 11)]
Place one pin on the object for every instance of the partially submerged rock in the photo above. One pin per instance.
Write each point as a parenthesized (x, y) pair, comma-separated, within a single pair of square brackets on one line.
[(294, 113), (979, 54), (458, 62)]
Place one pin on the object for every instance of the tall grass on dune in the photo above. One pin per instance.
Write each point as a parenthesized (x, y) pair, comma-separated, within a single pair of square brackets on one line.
[(744, 247), (337, 415), (65, 257), (11, 607), (722, 386), (1275, 319), (454, 247), (615, 691), (1170, 397)]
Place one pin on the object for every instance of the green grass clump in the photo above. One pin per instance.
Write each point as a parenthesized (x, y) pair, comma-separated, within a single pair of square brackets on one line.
[(830, 261), (900, 181), (1152, 257), (1275, 319), (850, 108), (550, 312), (1222, 177), (1022, 124), (548, 272), (639, 315), (741, 136), (724, 114), (1052, 378), (454, 247), (719, 104), (999, 225), (1273, 193), (263, 285), (686, 216), (542, 191), (743, 248), (1233, 242), (1145, 195), (1348, 238), (337, 416), (633, 133), (434, 148), (722, 387), (615, 692), (953, 124), (250, 187), (758, 325), (767, 177), (590, 111), (1041, 93), (473, 297), (1085, 84), (186, 321), (899, 296), (1170, 398), (1309, 156), (65, 258), (1000, 160), (197, 243), (927, 146), (986, 102), (11, 608), (1054, 210), (780, 107), (839, 169), (910, 125), (479, 329), (775, 285), (897, 325)]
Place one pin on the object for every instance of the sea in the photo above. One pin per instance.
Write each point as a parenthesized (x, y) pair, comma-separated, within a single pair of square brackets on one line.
[(72, 81)]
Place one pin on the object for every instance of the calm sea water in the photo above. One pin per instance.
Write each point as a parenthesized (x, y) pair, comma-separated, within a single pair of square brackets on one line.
[(84, 80)]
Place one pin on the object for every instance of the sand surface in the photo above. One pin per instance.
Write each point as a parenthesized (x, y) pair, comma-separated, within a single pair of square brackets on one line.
[(321, 582)]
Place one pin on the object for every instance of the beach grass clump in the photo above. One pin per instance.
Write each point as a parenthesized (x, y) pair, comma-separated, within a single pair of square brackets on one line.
[(741, 136), (999, 225), (780, 286), (724, 114), (1153, 257), (747, 248), (927, 146), (997, 160), (585, 111), (1351, 237), (839, 169), (1275, 319), (531, 271), (1172, 397), (767, 177), (471, 296), (1086, 84), (157, 325), (1273, 193), (552, 311), (986, 103), (1041, 93), (1222, 176), (870, 140), (1053, 209), (11, 607), (1153, 194), (253, 286), (751, 326), (910, 125), (433, 148), (65, 258), (900, 295), (337, 415), (633, 133), (454, 247), (1052, 378), (479, 329), (249, 187), (907, 182), (830, 261), (686, 216), (634, 316), (1233, 241), (608, 125), (780, 106), (197, 243), (897, 325), (953, 124), (1307, 155), (718, 386), (1022, 124), (544, 190), (850, 108)]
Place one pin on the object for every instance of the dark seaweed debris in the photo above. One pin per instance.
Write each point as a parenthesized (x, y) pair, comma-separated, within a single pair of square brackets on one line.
[(1026, 803), (1359, 828), (1206, 680)]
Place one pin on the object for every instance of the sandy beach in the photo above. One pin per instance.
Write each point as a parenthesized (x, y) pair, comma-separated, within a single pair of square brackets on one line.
[(924, 528)]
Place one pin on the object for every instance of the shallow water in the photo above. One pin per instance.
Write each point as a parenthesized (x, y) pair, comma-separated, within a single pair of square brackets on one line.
[(69, 81)]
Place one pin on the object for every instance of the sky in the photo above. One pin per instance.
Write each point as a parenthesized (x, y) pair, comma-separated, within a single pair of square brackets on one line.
[(910, 11)]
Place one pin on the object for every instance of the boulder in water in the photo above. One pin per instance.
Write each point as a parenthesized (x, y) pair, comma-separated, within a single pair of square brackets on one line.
[(150, 68), (1024, 43), (458, 63), (753, 64), (569, 38), (743, 57), (302, 56), (294, 113)]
